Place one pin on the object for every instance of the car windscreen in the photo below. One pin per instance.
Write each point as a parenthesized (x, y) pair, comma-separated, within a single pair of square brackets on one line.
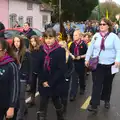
[(39, 33), (11, 33)]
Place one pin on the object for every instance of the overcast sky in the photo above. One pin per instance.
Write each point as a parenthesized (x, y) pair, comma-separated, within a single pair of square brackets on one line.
[(117, 1)]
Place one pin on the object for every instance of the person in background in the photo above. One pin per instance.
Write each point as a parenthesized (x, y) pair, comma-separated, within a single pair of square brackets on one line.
[(52, 71), (69, 29), (109, 44), (34, 48), (82, 27), (2, 28), (16, 25), (68, 76), (87, 38), (25, 70), (9, 82), (28, 31), (78, 50), (69, 41)]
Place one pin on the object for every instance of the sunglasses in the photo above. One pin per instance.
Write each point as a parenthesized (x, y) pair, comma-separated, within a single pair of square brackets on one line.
[(102, 24)]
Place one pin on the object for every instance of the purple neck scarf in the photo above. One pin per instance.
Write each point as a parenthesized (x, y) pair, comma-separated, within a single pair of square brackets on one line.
[(48, 50), (104, 36), (76, 49)]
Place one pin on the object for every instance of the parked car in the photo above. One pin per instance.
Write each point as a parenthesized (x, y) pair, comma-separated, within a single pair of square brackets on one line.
[(11, 32)]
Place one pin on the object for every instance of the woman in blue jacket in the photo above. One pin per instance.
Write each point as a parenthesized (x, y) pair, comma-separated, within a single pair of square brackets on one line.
[(109, 44)]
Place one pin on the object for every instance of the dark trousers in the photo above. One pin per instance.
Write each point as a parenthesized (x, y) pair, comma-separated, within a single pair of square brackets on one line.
[(65, 96), (34, 83), (77, 79), (3, 114), (102, 84), (44, 100)]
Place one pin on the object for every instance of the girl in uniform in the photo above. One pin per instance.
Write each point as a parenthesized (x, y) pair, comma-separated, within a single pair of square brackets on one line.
[(9, 82), (34, 48), (25, 71), (78, 50), (70, 69), (52, 69)]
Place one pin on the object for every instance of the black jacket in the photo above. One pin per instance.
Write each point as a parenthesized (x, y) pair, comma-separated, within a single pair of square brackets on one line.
[(26, 67), (35, 61), (56, 76), (29, 33), (79, 64), (70, 68), (2, 27), (9, 85)]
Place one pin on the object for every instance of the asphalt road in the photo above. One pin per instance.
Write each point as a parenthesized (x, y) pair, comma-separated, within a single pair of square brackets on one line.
[(75, 112)]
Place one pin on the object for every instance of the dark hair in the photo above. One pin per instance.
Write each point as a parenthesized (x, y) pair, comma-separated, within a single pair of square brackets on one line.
[(5, 46), (109, 23), (63, 31), (50, 33), (2, 27), (22, 48), (27, 23), (38, 42)]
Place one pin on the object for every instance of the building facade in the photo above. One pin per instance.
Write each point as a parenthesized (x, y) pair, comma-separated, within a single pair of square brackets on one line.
[(25, 11), (4, 12)]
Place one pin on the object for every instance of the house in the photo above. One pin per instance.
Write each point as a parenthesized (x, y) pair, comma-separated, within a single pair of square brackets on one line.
[(32, 11), (4, 13)]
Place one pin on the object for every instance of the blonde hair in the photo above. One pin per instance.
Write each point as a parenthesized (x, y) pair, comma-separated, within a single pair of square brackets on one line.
[(63, 44), (77, 30)]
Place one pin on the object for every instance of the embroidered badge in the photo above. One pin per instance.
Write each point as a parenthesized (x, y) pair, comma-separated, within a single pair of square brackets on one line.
[(81, 46), (2, 71)]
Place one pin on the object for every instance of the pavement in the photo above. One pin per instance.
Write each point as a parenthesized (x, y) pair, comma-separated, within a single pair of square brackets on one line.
[(77, 110)]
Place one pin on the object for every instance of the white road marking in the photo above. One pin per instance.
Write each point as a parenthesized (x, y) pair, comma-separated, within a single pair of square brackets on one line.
[(28, 99)]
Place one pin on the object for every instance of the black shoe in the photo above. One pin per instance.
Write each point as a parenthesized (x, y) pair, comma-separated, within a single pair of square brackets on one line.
[(31, 103), (72, 98), (82, 92), (107, 105), (26, 111), (41, 116), (60, 115), (93, 109)]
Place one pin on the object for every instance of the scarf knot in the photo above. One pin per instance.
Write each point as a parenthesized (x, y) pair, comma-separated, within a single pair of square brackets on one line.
[(47, 62), (76, 49), (48, 50), (102, 46)]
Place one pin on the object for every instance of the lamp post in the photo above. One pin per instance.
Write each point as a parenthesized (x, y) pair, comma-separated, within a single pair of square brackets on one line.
[(60, 3), (98, 10)]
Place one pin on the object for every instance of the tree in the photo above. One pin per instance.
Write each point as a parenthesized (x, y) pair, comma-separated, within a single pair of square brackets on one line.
[(111, 7), (74, 9)]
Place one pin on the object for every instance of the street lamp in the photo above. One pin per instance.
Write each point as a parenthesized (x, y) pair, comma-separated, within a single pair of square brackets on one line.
[(60, 4), (98, 10)]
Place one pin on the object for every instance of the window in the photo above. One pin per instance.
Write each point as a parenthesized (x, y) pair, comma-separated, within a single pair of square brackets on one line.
[(29, 5), (11, 33), (21, 20), (44, 20), (30, 20), (38, 32), (12, 20)]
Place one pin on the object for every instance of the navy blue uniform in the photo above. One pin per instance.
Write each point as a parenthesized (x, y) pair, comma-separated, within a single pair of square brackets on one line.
[(79, 68), (35, 69), (53, 73), (9, 88), (55, 76)]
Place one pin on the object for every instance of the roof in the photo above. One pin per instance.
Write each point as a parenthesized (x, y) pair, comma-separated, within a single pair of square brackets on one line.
[(45, 7), (34, 1)]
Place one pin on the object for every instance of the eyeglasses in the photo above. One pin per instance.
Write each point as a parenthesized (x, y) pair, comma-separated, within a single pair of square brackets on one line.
[(102, 24)]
